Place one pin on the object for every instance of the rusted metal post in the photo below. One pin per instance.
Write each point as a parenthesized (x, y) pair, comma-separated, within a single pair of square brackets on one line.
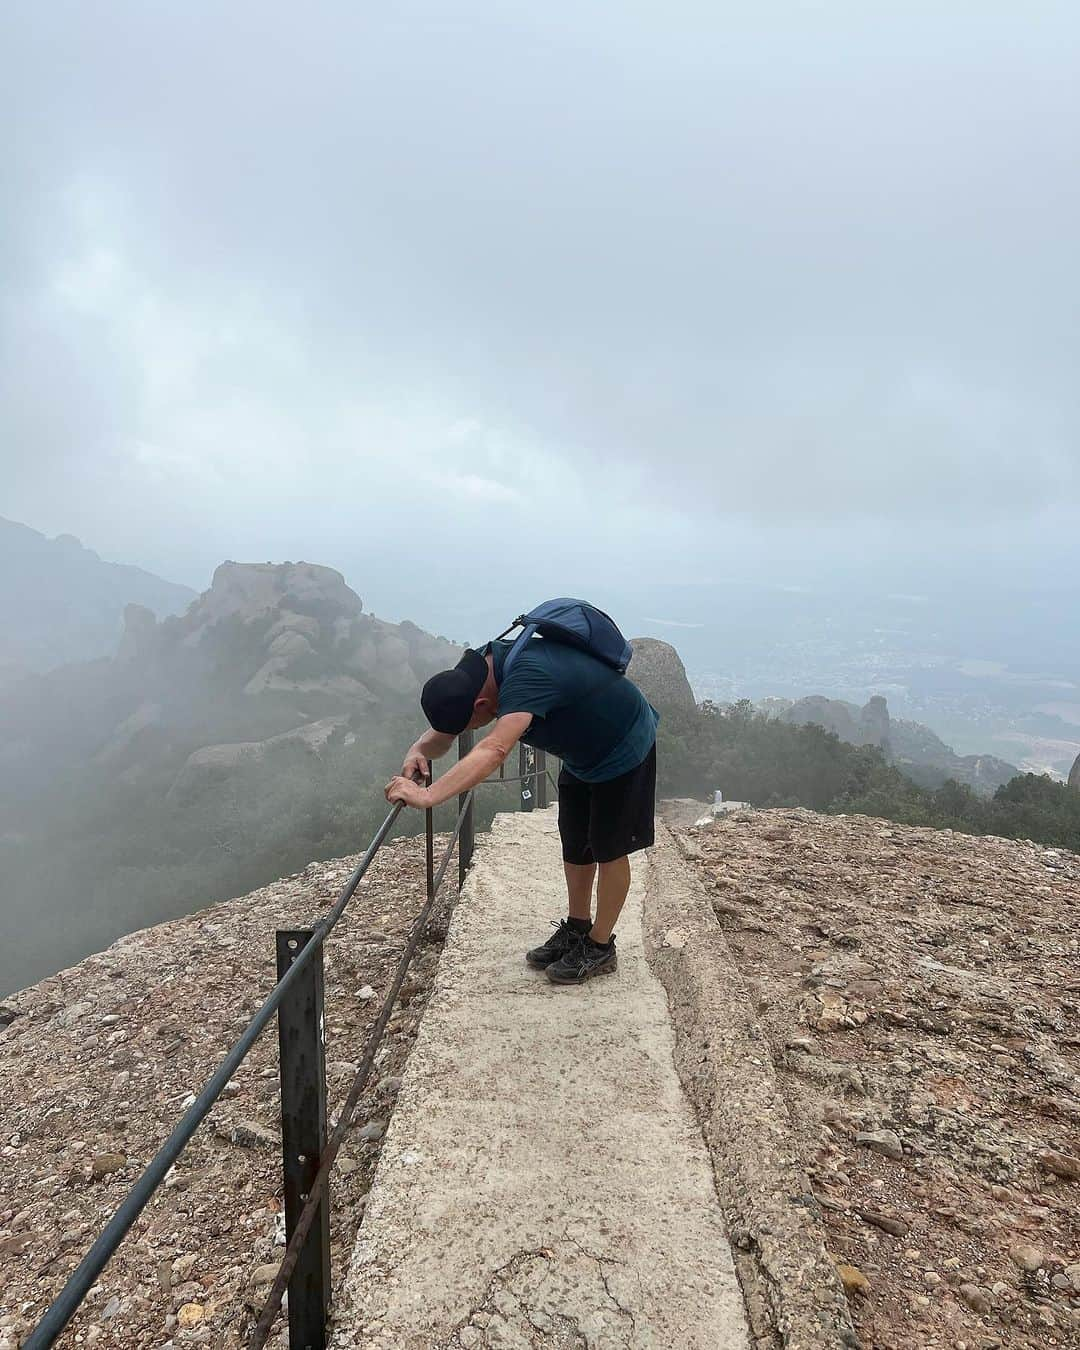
[(303, 1136), (429, 843), (467, 838), (528, 778)]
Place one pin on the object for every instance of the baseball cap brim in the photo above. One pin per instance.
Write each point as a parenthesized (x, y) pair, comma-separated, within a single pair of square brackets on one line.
[(448, 698)]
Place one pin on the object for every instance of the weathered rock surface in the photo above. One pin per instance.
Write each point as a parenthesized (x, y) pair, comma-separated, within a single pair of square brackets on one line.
[(213, 763), (98, 1063), (657, 670), (1074, 774), (793, 1292), (953, 1108)]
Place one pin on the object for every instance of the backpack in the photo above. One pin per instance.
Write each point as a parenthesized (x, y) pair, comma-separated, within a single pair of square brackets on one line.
[(575, 623)]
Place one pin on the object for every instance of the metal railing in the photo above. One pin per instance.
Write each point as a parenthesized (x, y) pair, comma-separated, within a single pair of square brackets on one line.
[(308, 1152)]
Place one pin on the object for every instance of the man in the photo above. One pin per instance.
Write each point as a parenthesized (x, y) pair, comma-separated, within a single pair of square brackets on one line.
[(601, 726)]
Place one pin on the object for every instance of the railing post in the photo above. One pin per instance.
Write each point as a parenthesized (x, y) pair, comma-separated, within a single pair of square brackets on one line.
[(429, 843), (540, 758), (467, 838), (303, 1137), (528, 778)]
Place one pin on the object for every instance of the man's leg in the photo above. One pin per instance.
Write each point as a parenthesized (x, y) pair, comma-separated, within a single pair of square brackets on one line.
[(579, 886), (611, 891), (580, 874)]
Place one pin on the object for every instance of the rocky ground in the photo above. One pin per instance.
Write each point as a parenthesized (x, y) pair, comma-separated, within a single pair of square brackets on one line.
[(98, 1063), (920, 991)]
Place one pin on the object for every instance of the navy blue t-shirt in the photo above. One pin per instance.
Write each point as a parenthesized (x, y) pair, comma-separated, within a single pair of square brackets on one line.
[(595, 720)]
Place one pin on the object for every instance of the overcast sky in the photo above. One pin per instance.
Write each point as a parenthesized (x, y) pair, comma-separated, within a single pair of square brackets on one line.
[(695, 285)]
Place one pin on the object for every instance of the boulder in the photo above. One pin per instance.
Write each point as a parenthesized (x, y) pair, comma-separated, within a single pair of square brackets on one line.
[(1074, 774), (660, 675)]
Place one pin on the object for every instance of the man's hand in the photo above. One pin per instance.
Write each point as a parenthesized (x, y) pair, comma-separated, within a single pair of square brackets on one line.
[(405, 790), (415, 766)]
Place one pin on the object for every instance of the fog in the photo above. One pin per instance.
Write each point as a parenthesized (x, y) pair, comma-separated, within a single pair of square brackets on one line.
[(689, 292)]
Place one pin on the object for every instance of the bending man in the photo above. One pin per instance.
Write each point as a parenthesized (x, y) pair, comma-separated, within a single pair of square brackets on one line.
[(601, 726)]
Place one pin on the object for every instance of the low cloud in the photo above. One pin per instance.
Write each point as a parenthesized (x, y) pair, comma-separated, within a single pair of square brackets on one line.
[(685, 278)]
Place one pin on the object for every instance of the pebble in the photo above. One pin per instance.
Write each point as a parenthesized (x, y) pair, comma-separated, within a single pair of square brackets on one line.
[(250, 1134), (881, 1141), (887, 1224), (365, 993), (107, 1163), (1062, 1165), (978, 1300), (854, 1281), (190, 1315), (373, 1130), (1026, 1257)]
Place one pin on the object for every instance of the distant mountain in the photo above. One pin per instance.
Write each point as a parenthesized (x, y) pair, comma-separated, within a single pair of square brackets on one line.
[(61, 602), (215, 751), (913, 748)]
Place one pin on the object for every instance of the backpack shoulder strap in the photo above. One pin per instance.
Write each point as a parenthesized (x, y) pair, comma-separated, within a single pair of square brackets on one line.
[(527, 633)]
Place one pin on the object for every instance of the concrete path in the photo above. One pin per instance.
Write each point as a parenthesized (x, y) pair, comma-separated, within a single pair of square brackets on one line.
[(544, 1180)]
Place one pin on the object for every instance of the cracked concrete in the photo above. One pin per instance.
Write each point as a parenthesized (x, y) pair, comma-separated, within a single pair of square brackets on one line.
[(544, 1181)]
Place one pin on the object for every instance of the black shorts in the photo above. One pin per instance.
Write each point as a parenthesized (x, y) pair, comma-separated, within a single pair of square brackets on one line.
[(599, 822)]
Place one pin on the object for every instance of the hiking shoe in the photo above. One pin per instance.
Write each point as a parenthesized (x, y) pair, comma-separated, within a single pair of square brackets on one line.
[(560, 942), (584, 959)]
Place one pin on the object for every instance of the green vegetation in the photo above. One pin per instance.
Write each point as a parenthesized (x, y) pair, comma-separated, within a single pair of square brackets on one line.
[(751, 757), (95, 856), (91, 847)]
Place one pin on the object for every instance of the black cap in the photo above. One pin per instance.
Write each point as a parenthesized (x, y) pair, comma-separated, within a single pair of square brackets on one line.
[(448, 698)]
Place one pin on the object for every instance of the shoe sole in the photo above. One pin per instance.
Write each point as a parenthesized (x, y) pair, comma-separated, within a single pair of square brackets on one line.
[(608, 968), (538, 965)]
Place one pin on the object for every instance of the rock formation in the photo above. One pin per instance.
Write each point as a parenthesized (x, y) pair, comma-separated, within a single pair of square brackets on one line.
[(287, 629), (912, 747), (1074, 774), (857, 726), (658, 671), (258, 724)]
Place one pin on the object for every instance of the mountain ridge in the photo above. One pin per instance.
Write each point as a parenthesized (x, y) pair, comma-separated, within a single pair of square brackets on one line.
[(69, 603), (217, 749)]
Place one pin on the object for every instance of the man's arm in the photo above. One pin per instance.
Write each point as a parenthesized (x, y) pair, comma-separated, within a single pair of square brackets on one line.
[(478, 764), (431, 745)]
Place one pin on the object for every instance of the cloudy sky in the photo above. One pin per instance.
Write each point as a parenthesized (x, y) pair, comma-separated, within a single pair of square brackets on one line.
[(560, 292)]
